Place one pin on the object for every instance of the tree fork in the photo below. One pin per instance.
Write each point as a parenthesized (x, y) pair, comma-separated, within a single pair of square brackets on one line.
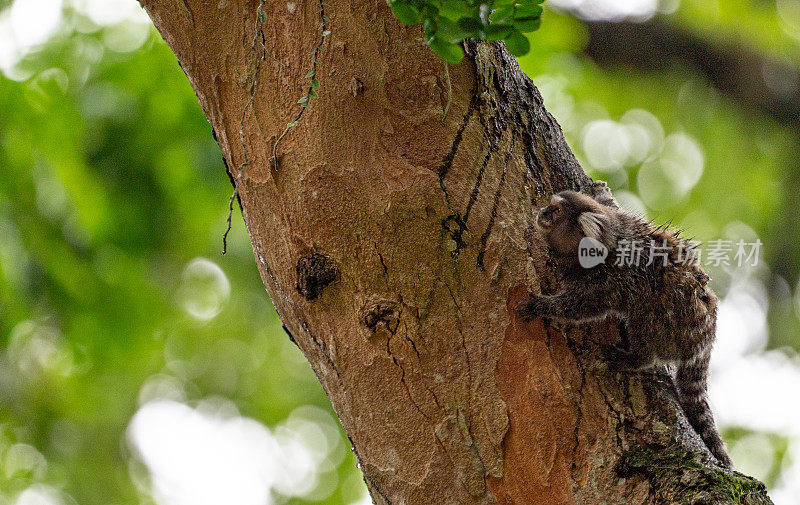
[(393, 245)]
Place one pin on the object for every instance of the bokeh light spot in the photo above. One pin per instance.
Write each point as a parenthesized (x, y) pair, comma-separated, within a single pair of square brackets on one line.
[(204, 289)]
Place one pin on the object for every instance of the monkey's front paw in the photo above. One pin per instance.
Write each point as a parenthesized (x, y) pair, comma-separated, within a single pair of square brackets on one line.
[(531, 308), (600, 187), (602, 193)]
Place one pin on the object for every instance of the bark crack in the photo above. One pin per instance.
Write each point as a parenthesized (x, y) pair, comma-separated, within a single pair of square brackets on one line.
[(311, 89), (495, 205), (578, 421), (468, 419), (383, 264), (447, 163), (474, 194), (444, 168), (403, 380), (189, 11), (464, 347), (259, 30), (617, 415), (323, 348)]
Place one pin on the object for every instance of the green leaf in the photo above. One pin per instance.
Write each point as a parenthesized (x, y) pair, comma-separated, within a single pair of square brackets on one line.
[(291, 124), (430, 11), (496, 32), (527, 24), (315, 83), (405, 13), (430, 26), (455, 10), (326, 33), (503, 15), (470, 25), (310, 74), (451, 53), (517, 43), (312, 94), (528, 11), (447, 23), (303, 100), (453, 32)]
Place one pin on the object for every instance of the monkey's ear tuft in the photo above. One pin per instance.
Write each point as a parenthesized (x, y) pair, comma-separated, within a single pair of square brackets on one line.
[(592, 224), (597, 227)]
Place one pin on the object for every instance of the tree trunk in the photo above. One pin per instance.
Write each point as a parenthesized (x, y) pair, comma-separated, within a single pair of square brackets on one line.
[(389, 227)]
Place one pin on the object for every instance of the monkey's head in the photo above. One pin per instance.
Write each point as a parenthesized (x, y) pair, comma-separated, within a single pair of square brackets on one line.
[(570, 217), (703, 296)]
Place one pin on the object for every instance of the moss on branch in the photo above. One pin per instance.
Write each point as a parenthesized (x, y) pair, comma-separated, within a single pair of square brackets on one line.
[(678, 475)]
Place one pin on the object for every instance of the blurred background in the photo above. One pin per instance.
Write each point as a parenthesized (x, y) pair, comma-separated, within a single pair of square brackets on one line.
[(139, 365)]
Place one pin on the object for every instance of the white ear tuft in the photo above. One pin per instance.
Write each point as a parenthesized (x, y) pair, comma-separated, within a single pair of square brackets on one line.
[(599, 227), (593, 225)]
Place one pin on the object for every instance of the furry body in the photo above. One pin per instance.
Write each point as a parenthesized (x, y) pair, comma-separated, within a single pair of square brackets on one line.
[(662, 295)]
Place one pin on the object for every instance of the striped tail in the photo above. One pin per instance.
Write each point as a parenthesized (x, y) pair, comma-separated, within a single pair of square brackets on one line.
[(691, 382)]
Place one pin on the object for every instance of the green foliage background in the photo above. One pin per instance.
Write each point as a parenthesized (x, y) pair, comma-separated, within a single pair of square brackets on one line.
[(110, 184)]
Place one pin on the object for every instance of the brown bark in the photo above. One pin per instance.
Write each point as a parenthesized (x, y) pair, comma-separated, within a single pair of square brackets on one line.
[(392, 242)]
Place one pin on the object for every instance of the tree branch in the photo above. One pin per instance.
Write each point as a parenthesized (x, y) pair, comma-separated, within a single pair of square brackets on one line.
[(735, 70), (410, 232)]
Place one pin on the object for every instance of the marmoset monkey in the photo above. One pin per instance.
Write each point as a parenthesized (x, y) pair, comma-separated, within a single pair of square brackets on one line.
[(659, 291)]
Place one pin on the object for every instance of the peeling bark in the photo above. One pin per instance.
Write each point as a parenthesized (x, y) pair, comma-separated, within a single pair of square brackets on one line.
[(393, 245)]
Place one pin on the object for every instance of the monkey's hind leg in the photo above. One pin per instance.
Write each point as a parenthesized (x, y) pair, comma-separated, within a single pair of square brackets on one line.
[(637, 356)]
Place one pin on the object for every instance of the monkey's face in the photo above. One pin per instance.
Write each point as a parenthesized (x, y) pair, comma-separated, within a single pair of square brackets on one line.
[(559, 224), (703, 294), (550, 214), (702, 298)]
